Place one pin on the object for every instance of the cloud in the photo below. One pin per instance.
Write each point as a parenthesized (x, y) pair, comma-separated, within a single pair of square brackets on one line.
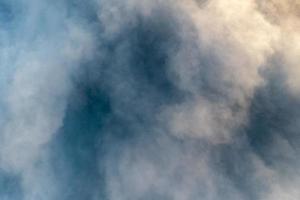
[(149, 99), (46, 50)]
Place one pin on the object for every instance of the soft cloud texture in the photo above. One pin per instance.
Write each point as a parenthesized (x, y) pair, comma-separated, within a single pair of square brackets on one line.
[(109, 99)]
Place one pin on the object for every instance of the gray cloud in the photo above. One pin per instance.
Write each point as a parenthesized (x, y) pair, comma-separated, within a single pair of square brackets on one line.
[(149, 100)]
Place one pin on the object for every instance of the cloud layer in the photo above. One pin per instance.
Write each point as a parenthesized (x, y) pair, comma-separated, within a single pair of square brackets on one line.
[(140, 99)]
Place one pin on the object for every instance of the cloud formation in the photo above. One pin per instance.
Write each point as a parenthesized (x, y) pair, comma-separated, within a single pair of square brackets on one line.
[(109, 99)]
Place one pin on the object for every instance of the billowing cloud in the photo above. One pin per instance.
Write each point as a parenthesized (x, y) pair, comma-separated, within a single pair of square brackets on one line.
[(109, 99)]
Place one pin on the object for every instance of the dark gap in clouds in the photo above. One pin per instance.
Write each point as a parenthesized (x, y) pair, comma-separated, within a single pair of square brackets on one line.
[(272, 112), (78, 145), (135, 72), (6, 13), (98, 115), (152, 42), (11, 16), (84, 11), (273, 118), (10, 186)]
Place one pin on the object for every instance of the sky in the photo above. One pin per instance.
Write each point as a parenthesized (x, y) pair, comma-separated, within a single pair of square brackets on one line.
[(149, 99)]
